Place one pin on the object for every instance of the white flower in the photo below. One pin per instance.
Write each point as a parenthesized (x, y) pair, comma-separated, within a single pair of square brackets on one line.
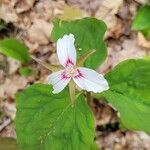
[(85, 78)]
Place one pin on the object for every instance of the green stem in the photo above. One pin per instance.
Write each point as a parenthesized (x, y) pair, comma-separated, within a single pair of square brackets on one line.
[(72, 91), (88, 97)]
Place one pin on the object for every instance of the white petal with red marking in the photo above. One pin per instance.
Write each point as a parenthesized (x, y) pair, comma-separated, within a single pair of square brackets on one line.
[(66, 50), (90, 80), (59, 80)]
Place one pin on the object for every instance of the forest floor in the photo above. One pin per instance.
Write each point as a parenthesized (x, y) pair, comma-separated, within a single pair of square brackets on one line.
[(29, 20)]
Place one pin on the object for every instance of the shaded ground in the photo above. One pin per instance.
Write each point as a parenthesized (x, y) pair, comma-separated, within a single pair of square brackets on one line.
[(30, 21)]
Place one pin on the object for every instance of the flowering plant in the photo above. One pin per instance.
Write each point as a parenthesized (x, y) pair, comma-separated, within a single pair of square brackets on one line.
[(55, 117), (87, 79)]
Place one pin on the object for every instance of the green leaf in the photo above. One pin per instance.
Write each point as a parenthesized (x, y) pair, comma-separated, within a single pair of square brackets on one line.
[(46, 121), (26, 71), (15, 49), (130, 93), (88, 33), (8, 144), (142, 19), (94, 147)]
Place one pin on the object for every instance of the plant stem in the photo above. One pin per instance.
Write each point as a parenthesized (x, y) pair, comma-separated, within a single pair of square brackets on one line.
[(72, 91), (88, 97)]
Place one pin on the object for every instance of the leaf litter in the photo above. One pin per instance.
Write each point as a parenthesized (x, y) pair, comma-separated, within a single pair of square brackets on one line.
[(34, 21)]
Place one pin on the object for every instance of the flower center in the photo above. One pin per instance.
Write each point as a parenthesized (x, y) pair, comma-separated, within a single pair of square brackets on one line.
[(71, 71)]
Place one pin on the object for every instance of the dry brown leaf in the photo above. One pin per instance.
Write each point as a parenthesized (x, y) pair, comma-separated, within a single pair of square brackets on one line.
[(108, 8), (2, 76), (39, 32), (122, 141), (142, 41), (13, 65), (32, 46), (130, 50), (24, 5), (12, 85), (58, 8), (117, 30), (8, 13), (9, 131), (10, 109), (117, 53), (107, 12), (53, 59), (45, 9)]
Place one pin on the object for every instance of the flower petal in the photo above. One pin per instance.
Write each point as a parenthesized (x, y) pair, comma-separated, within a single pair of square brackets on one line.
[(66, 50), (59, 80), (90, 80)]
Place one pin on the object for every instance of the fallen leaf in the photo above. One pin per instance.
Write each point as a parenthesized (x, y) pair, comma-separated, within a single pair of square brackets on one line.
[(130, 49), (13, 65), (10, 110), (8, 13), (39, 32), (24, 5), (107, 12), (11, 86), (117, 53), (53, 59), (142, 41)]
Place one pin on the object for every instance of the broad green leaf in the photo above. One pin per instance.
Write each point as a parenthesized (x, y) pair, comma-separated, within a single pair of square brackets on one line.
[(142, 21), (88, 34), (26, 71), (129, 93), (94, 147), (15, 49), (8, 144), (46, 121)]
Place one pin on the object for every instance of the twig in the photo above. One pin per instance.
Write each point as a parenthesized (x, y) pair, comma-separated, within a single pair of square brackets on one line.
[(5, 124)]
